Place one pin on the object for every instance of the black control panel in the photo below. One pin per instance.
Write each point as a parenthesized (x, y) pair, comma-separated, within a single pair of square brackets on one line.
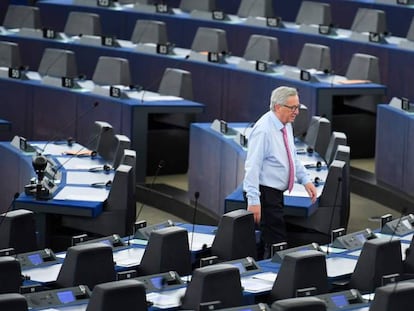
[(400, 226), (355, 240), (278, 256), (341, 300), (113, 240), (161, 281), (58, 297), (144, 233), (245, 265), (36, 258)]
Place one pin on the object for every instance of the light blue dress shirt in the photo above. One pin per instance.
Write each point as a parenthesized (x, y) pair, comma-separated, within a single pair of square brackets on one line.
[(267, 161)]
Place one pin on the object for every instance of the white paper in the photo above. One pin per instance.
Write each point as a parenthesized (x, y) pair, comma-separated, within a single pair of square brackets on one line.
[(88, 178), (166, 299), (337, 266), (78, 163), (82, 194), (253, 285), (43, 274), (129, 257), (199, 241)]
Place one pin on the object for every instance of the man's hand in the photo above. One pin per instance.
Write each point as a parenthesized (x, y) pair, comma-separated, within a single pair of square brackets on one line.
[(311, 190), (257, 211)]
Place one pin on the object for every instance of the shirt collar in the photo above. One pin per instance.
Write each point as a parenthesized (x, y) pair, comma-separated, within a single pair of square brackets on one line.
[(275, 120)]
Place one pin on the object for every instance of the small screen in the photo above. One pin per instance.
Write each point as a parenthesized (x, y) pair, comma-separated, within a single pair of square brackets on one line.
[(66, 296), (157, 282), (340, 301), (35, 259)]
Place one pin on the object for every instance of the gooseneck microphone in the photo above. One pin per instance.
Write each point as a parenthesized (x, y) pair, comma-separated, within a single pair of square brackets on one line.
[(339, 183), (79, 153), (395, 229), (196, 196), (160, 165), (68, 125)]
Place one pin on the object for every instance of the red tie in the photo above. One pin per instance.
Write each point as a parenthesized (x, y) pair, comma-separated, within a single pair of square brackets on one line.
[(291, 169)]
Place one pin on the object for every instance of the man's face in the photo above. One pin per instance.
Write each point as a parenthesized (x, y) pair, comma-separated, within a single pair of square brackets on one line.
[(288, 112)]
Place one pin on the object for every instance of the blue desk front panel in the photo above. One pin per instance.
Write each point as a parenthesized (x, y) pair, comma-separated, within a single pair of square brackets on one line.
[(42, 112), (395, 149)]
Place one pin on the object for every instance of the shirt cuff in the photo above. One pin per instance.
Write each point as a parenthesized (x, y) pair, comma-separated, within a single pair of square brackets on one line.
[(253, 201)]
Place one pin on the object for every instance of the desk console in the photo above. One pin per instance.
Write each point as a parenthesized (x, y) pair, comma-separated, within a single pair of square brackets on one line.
[(279, 255), (114, 241), (145, 232), (355, 240), (36, 258), (161, 282), (58, 297), (399, 226), (343, 299)]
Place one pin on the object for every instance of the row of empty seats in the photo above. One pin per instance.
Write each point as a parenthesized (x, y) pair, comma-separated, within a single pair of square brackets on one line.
[(299, 270), (310, 13)]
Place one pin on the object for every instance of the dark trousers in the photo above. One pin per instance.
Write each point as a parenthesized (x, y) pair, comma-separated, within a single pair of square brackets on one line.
[(272, 223)]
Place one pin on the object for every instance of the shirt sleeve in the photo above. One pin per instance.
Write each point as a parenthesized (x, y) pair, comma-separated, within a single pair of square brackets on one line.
[(253, 164)]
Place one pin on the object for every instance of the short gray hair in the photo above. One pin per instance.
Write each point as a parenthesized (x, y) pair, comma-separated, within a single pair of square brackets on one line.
[(280, 96)]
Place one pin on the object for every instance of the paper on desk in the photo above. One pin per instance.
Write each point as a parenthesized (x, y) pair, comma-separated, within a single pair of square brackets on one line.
[(199, 241), (151, 96), (353, 81), (76, 163), (166, 299), (259, 282), (87, 178), (56, 148), (338, 266), (129, 257), (299, 191), (69, 308), (43, 274), (82, 194)]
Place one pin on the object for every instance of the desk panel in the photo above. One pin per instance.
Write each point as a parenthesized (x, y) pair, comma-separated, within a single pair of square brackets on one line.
[(395, 149), (228, 92)]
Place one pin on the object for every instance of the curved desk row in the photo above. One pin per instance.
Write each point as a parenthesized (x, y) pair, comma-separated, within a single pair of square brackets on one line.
[(227, 91), (216, 170), (395, 149), (42, 112), (182, 28), (75, 193)]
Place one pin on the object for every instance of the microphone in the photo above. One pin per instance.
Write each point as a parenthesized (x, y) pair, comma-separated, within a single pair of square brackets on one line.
[(79, 153), (339, 183), (394, 231), (242, 138), (67, 126), (196, 196), (160, 165), (105, 168), (107, 184)]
